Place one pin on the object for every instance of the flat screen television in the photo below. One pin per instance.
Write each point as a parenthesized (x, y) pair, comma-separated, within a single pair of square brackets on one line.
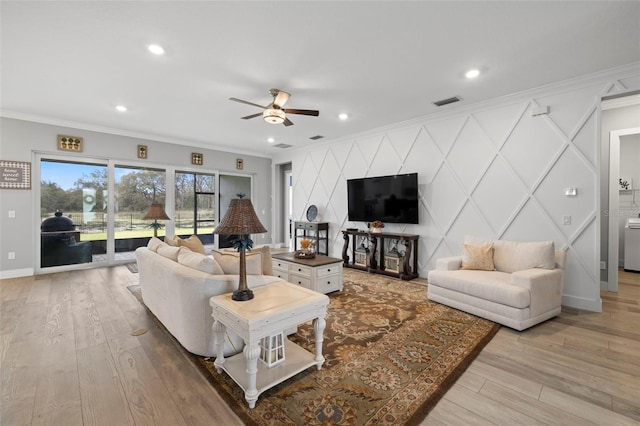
[(391, 199)]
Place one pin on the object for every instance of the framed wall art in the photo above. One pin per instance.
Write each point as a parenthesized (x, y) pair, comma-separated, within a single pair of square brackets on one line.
[(15, 175)]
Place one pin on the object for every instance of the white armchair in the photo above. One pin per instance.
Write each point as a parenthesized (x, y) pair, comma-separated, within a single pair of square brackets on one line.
[(521, 287)]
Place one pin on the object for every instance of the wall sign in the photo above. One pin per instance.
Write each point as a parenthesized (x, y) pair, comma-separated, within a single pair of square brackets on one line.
[(15, 175), (239, 164)]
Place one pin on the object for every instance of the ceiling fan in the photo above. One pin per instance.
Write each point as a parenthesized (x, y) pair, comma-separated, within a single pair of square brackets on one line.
[(274, 113)]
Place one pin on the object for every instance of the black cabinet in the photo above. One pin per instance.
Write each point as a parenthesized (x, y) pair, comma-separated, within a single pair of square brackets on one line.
[(317, 232)]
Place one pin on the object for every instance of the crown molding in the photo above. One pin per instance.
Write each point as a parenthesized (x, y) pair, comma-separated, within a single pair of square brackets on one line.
[(126, 133)]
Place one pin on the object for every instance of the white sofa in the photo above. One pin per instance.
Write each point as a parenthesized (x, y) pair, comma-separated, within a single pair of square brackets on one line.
[(178, 295), (524, 289)]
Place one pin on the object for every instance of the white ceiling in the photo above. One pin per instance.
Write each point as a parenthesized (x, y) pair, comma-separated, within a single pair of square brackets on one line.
[(71, 63)]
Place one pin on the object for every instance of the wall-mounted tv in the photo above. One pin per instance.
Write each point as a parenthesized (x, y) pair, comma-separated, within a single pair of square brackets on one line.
[(391, 199)]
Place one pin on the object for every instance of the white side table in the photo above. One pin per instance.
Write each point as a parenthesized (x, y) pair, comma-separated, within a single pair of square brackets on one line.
[(274, 308)]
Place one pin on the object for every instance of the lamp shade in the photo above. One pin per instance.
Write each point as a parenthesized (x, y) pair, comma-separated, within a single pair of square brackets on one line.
[(156, 211), (240, 219)]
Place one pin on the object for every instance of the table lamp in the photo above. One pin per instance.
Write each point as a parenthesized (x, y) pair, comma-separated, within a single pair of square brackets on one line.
[(156, 211), (241, 220)]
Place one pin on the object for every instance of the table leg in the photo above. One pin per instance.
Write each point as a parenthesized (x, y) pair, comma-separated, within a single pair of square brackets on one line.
[(318, 326), (251, 354), (218, 334)]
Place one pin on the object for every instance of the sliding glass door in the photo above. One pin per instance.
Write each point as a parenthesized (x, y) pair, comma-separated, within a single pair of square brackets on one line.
[(93, 211)]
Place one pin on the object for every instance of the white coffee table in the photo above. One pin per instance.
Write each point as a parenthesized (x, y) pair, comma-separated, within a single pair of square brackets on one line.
[(274, 308)]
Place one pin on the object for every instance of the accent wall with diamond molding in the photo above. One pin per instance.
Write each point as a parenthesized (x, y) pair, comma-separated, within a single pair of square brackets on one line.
[(494, 171)]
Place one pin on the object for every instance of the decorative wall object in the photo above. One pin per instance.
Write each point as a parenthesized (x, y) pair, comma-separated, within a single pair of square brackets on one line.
[(15, 175), (239, 164), (625, 184), (70, 143), (196, 158), (142, 151)]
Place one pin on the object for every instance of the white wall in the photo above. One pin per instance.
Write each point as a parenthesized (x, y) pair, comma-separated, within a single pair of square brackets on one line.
[(490, 170), (20, 140)]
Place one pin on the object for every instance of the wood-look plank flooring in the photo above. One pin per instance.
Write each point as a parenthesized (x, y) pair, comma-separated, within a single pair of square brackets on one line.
[(68, 357)]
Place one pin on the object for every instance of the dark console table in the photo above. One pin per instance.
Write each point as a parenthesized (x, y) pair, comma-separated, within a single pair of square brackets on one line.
[(376, 263)]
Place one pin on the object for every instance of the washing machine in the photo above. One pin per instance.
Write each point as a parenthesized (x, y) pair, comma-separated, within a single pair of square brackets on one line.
[(632, 245)]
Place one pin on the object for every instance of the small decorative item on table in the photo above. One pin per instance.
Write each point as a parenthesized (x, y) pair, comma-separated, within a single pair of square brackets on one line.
[(376, 226), (272, 349), (307, 250)]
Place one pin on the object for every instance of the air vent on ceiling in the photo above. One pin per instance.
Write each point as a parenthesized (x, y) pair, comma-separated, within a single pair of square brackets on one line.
[(447, 101), (316, 137), (283, 145)]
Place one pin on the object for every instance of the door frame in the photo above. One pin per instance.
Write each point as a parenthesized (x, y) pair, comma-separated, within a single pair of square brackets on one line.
[(614, 204)]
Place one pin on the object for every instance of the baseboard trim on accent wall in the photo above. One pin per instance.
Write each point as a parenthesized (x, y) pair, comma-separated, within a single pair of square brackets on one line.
[(16, 273), (582, 303)]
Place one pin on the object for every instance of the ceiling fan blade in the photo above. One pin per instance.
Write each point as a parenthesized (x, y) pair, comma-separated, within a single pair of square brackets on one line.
[(252, 116), (287, 122), (302, 111), (246, 102), (281, 98)]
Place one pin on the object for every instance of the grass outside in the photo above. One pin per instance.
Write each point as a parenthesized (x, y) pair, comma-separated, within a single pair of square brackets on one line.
[(141, 233)]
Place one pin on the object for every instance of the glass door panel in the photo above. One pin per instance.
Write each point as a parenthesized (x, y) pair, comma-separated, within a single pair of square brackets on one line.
[(135, 190), (195, 205), (73, 202)]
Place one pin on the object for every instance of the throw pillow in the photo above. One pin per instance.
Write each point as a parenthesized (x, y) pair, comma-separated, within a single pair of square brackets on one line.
[(478, 257), (199, 261), (154, 243), (193, 243), (229, 261), (169, 252), (172, 241)]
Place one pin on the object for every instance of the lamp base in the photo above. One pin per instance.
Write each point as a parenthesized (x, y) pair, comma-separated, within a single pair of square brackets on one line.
[(242, 295)]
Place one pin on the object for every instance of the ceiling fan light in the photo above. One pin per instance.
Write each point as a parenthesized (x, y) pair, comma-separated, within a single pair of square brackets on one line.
[(273, 115)]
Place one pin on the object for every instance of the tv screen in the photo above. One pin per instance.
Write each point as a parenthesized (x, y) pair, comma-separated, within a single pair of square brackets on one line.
[(391, 199)]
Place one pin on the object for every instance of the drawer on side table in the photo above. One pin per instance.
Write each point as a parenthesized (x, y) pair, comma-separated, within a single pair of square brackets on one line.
[(328, 284), (300, 280)]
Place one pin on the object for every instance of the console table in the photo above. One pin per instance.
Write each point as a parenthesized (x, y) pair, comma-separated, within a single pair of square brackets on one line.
[(274, 308), (409, 269), (318, 232)]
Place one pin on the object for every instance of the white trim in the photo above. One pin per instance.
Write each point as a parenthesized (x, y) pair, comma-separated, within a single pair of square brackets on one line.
[(630, 70), (582, 303), (621, 102), (16, 273), (127, 133), (614, 204)]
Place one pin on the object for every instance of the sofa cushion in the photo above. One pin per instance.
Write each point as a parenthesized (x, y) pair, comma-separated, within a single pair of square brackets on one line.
[(230, 262), (168, 251), (512, 256), (154, 243), (172, 241), (199, 261), (193, 243), (479, 257), (489, 285), (265, 255)]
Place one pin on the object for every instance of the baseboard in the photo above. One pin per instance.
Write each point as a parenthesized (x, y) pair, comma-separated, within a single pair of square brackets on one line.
[(16, 273), (582, 303)]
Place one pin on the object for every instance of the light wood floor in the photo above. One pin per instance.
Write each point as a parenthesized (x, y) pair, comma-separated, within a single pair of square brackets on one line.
[(67, 357)]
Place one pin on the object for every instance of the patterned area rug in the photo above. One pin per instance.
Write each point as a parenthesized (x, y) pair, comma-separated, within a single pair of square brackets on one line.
[(390, 355)]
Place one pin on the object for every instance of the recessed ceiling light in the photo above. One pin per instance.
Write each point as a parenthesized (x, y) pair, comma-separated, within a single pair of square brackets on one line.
[(472, 73), (271, 140), (343, 116), (156, 49), (121, 108)]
